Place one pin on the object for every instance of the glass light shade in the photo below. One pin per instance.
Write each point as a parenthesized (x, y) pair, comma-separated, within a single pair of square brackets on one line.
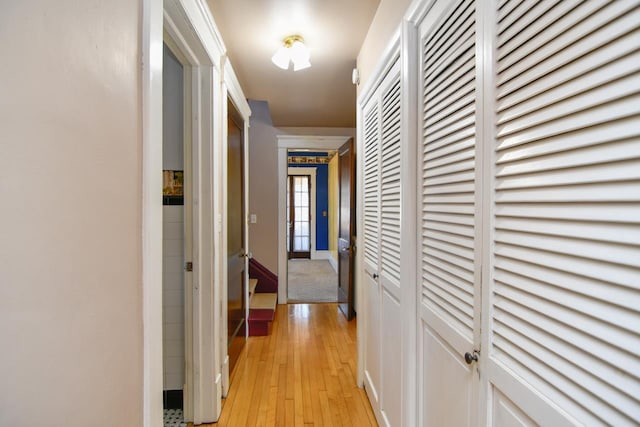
[(295, 52), (299, 52), (281, 58), (301, 65)]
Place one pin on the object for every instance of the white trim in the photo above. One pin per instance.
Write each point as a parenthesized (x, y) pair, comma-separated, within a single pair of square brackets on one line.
[(235, 92), (225, 376), (230, 90), (286, 142), (418, 10), (192, 27), (197, 13), (359, 259), (320, 255), (245, 192), (486, 108), (224, 255), (409, 232), (312, 172), (212, 30), (220, 283), (152, 367), (370, 388)]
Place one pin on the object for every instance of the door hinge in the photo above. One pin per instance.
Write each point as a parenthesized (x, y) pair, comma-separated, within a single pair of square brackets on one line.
[(188, 266)]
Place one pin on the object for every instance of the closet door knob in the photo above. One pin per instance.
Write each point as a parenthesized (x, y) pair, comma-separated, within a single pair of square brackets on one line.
[(375, 275), (471, 357)]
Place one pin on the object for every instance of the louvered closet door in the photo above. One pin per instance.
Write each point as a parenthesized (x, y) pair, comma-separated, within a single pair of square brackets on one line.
[(449, 271), (371, 238), (389, 242), (381, 199), (565, 303)]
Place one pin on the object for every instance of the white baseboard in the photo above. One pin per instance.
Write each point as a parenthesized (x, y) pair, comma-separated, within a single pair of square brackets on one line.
[(225, 376), (333, 262), (317, 255), (320, 254)]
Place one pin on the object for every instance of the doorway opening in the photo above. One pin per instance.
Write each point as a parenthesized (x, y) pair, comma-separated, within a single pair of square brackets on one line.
[(312, 223), (315, 157), (177, 232)]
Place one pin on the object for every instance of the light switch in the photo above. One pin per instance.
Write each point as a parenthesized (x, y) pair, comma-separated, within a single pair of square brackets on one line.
[(253, 218), (324, 213)]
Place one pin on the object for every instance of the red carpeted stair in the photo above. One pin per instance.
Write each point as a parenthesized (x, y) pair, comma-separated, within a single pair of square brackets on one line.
[(262, 309)]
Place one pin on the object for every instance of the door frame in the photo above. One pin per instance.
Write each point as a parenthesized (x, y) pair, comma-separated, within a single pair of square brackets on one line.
[(190, 239), (350, 148), (286, 143), (231, 91), (151, 275), (200, 332), (200, 37), (312, 173), (239, 121)]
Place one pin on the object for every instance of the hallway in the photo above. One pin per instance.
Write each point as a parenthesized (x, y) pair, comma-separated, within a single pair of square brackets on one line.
[(311, 281), (303, 373)]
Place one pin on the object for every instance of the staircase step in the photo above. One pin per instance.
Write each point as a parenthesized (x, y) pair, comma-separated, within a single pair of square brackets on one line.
[(264, 301), (261, 315), (262, 309), (252, 286)]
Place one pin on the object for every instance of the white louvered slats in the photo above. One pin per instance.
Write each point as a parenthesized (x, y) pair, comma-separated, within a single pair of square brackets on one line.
[(371, 185), (381, 145), (566, 236), (448, 168), (390, 183)]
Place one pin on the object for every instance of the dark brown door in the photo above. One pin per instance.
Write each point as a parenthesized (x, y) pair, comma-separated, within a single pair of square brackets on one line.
[(235, 237), (347, 229), (299, 216)]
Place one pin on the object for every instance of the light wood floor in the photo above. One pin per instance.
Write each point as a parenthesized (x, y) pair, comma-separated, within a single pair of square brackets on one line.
[(302, 374)]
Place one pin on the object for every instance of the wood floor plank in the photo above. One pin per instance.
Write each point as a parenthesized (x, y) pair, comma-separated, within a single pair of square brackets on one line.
[(302, 374)]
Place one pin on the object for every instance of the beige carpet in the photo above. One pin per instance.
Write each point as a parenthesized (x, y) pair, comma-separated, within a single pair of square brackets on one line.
[(312, 281)]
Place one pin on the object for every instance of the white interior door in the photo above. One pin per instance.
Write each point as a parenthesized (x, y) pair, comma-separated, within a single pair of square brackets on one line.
[(381, 241), (563, 299), (391, 315), (371, 233), (448, 259)]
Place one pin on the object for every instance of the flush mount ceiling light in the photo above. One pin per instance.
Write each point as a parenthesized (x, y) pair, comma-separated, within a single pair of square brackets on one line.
[(292, 50)]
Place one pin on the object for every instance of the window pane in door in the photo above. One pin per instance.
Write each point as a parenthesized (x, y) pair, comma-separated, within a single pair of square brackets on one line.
[(305, 243), (301, 199)]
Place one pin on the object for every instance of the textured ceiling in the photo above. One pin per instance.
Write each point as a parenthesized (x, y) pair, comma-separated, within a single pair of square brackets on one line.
[(334, 30)]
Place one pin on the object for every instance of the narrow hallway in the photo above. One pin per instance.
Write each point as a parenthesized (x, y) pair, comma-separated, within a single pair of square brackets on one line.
[(303, 373), (311, 281)]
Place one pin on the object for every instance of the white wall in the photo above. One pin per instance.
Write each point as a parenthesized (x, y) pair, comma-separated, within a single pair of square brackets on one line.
[(263, 186), (263, 179), (385, 23), (70, 183), (172, 112), (173, 227)]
